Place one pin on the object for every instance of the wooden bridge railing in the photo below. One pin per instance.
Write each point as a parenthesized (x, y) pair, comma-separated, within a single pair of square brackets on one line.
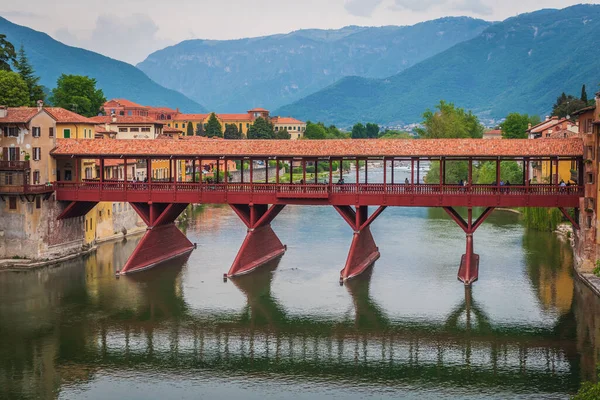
[(321, 189)]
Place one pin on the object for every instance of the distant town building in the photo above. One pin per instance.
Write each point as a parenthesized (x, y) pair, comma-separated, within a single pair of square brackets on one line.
[(553, 128), (493, 134), (122, 109)]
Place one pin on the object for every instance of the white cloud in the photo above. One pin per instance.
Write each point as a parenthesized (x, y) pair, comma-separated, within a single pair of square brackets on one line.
[(416, 5), (475, 6), (361, 8), (129, 38)]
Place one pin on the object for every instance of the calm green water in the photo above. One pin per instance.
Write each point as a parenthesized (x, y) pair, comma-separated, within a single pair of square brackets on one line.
[(408, 329)]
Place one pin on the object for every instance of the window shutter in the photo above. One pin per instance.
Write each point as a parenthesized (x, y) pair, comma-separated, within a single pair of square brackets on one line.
[(18, 153), (5, 130), (51, 132), (5, 153)]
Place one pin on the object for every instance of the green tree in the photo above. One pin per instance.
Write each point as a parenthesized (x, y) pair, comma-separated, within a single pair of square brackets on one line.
[(372, 131), (200, 129), (283, 134), (584, 96), (515, 125), (567, 105), (190, 129), (359, 131), (589, 390), (232, 132), (24, 68), (315, 131), (332, 132), (79, 94), (13, 89), (392, 134), (261, 129), (7, 53), (449, 122), (213, 127)]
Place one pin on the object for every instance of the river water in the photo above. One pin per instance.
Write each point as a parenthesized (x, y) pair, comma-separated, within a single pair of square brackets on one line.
[(407, 329)]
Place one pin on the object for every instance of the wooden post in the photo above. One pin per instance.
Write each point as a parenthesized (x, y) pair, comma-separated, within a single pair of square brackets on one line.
[(498, 172), (101, 170), (217, 180), (304, 171), (267, 170), (316, 172), (251, 171), (357, 175), (442, 167), (277, 172), (366, 171), (418, 171), (226, 168), (193, 170), (291, 171), (384, 175), (470, 172), (330, 171), (393, 165), (412, 171)]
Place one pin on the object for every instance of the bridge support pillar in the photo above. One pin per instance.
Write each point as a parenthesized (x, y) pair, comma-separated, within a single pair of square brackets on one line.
[(468, 273), (162, 240), (261, 244), (363, 250)]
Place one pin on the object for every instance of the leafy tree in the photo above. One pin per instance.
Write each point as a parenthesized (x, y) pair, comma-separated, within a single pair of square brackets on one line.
[(392, 134), (359, 131), (232, 132), (7, 53), (190, 129), (584, 96), (200, 130), (372, 131), (567, 105), (515, 125), (449, 122), (283, 134), (24, 68), (332, 132), (589, 390), (79, 94), (213, 127), (315, 131), (13, 89), (261, 129)]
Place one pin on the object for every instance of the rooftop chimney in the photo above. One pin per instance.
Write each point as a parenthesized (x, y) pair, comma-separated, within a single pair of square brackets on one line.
[(40, 105), (3, 111), (547, 118)]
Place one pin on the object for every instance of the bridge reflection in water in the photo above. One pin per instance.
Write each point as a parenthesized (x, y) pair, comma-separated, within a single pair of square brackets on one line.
[(143, 321)]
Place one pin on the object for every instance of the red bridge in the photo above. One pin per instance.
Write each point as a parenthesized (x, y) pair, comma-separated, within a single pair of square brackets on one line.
[(257, 203)]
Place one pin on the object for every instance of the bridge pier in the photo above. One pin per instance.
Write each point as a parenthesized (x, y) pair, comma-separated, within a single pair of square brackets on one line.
[(468, 273), (162, 240), (363, 250), (261, 244)]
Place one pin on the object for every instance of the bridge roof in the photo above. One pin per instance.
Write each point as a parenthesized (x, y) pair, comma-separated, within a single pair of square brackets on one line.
[(137, 148)]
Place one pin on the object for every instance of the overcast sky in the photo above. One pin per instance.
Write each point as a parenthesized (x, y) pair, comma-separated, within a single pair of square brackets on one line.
[(129, 30)]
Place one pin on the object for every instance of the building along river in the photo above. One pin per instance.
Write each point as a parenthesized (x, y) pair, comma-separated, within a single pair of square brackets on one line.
[(407, 329)]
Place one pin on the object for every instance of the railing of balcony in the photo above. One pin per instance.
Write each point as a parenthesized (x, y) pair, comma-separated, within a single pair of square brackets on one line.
[(14, 165)]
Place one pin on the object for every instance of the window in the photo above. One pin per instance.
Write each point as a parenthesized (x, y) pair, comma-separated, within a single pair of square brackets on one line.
[(8, 178), (38, 202), (122, 113), (145, 129), (122, 129), (134, 129), (588, 222), (176, 125), (67, 133), (37, 154), (12, 203), (86, 225), (129, 113), (36, 177), (36, 131), (588, 125), (14, 154), (51, 132), (13, 131), (590, 179)]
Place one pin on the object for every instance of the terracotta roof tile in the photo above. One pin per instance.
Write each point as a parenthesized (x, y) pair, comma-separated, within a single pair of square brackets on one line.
[(190, 117), (322, 148), (62, 115), (126, 103), (19, 115), (286, 120)]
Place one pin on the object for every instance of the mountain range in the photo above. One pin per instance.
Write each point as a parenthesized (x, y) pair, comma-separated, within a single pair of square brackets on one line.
[(117, 79), (272, 71), (518, 65)]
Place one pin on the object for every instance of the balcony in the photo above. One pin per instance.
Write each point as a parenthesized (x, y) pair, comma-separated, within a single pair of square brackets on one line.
[(14, 165)]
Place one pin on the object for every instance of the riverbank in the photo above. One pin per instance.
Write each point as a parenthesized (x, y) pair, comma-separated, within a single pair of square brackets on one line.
[(20, 264)]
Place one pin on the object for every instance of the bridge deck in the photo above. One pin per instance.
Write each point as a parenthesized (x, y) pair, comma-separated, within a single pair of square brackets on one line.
[(421, 195)]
